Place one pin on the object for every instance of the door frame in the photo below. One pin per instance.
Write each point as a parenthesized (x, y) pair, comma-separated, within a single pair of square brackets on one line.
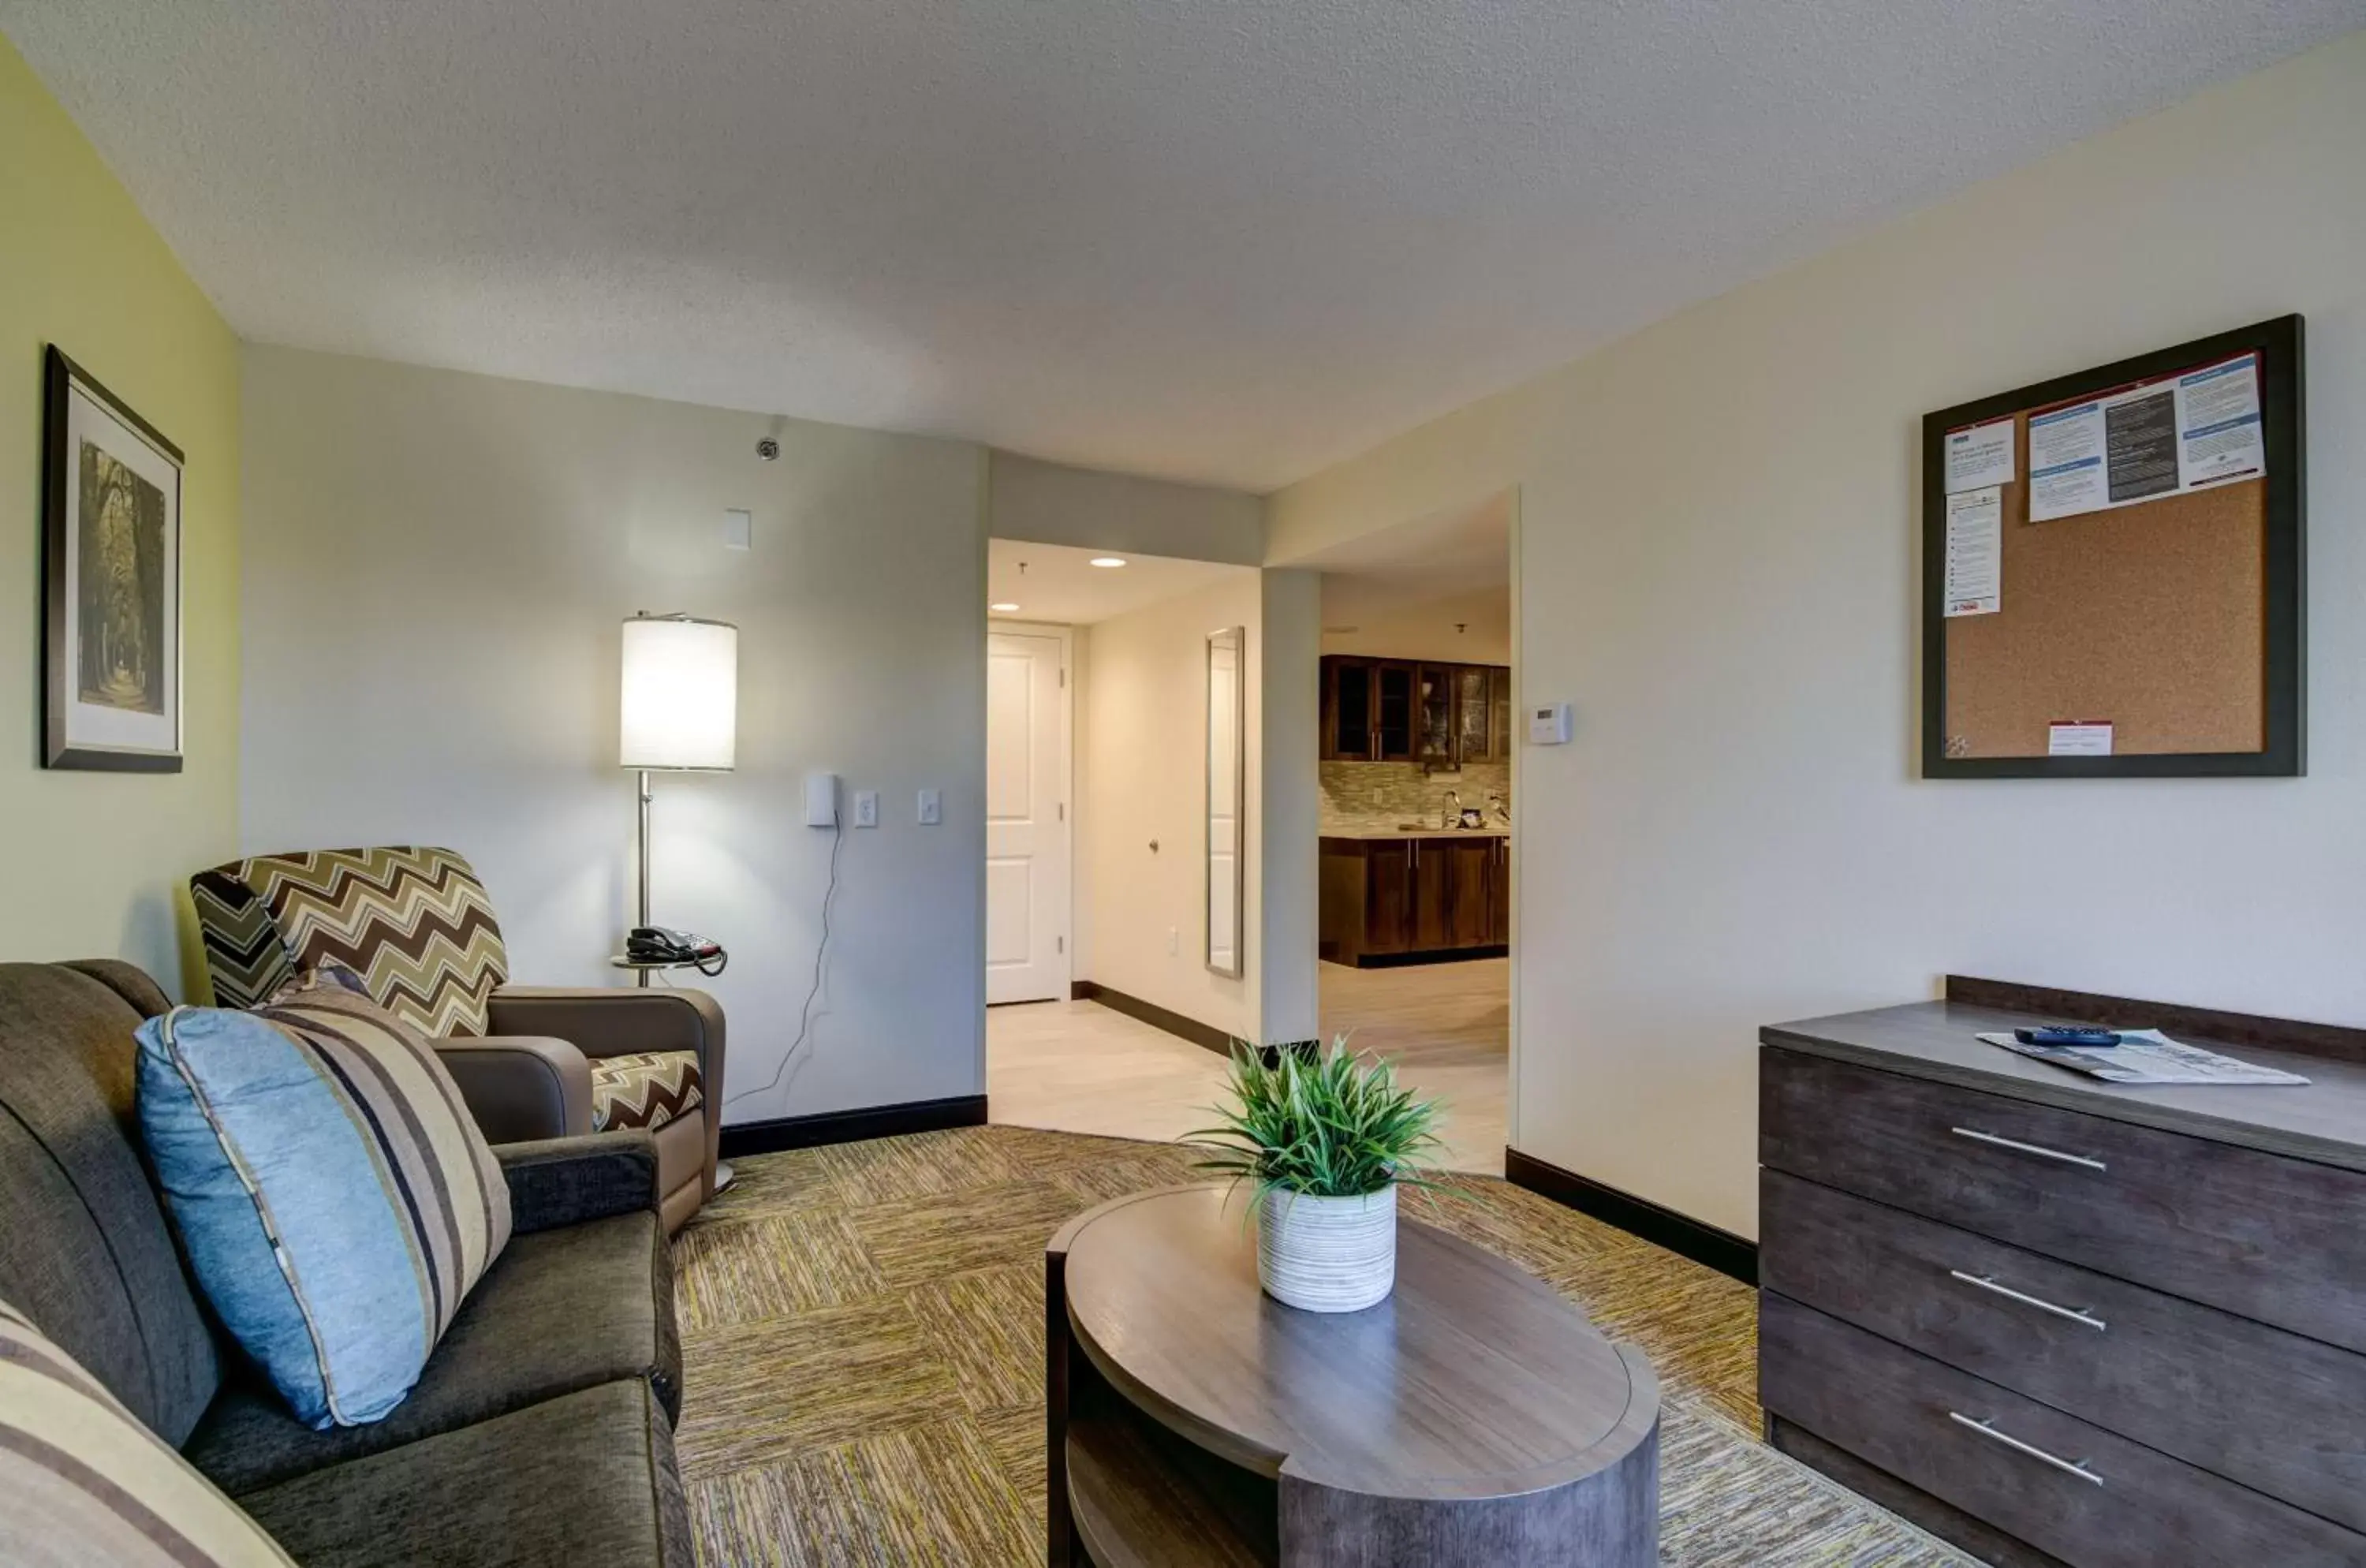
[(1066, 637)]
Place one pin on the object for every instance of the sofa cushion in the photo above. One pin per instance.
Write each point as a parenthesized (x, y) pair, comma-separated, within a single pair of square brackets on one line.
[(563, 1310), (413, 922), (586, 1481), (84, 1251), (85, 1483), (645, 1090), (335, 1198)]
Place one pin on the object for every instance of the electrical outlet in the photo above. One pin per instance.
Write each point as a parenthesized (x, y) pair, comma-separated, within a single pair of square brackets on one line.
[(933, 809), (866, 808), (1174, 940)]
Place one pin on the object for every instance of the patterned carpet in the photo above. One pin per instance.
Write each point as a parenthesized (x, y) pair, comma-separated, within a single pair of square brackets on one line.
[(862, 1331)]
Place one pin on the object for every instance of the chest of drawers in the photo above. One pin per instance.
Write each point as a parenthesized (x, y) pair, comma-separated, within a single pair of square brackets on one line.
[(2060, 1321)]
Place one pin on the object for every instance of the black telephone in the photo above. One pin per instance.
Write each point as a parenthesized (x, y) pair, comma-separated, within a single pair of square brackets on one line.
[(663, 944)]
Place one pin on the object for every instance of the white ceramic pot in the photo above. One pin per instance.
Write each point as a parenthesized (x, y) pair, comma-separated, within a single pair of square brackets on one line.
[(1327, 1254)]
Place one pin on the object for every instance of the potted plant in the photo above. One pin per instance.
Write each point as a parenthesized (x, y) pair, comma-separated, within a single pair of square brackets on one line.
[(1325, 1138)]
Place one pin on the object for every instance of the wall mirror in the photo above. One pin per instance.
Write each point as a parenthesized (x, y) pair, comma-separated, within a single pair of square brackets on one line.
[(1227, 782)]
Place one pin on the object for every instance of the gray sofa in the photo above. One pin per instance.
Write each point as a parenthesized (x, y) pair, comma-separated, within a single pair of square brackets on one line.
[(542, 1430)]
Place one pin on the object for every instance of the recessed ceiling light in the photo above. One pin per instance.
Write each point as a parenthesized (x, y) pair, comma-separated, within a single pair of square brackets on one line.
[(1003, 609), (1109, 561)]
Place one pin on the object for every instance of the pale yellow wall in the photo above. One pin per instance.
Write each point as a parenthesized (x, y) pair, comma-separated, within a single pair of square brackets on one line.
[(95, 861), (1717, 565)]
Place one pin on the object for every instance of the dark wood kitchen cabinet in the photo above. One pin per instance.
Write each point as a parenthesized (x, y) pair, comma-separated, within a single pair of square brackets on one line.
[(1499, 896), (1398, 900), (1498, 705), (1397, 710)]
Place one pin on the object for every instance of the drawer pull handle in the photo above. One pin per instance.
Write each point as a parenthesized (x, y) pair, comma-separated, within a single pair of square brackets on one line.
[(1988, 1282), (2038, 1149), (1986, 1427)]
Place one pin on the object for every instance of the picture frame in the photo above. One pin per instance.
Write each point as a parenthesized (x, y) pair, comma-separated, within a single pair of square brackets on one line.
[(111, 581)]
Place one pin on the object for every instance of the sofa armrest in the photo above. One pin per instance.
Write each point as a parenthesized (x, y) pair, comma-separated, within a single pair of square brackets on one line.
[(520, 1087), (616, 1022), (568, 1181)]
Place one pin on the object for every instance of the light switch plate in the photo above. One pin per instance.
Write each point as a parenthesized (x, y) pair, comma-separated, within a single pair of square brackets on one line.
[(866, 808), (738, 529), (933, 809)]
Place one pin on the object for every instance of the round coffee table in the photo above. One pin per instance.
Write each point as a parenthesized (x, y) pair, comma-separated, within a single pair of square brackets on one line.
[(1470, 1418)]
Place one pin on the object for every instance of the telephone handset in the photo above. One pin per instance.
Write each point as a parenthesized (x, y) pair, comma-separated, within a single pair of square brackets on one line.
[(663, 944)]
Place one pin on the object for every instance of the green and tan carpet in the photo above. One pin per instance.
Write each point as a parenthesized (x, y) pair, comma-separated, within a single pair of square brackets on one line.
[(862, 1326)]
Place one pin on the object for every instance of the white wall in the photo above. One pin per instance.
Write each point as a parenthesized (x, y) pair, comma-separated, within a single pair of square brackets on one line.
[(1142, 778), (1289, 810), (1421, 628), (436, 568), (1051, 504), (1718, 565)]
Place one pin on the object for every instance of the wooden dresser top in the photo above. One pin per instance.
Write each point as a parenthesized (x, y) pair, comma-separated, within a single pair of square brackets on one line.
[(2323, 1120)]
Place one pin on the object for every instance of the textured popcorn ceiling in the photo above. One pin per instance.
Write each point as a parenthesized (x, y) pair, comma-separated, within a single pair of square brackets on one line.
[(1228, 242)]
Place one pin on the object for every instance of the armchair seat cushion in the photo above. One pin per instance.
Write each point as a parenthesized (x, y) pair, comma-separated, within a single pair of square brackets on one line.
[(562, 1309), (585, 1479), (646, 1090)]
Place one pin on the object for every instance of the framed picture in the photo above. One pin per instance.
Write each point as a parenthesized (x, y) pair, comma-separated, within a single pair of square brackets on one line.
[(111, 567)]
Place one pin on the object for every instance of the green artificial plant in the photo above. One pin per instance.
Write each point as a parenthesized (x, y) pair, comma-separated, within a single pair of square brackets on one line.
[(1325, 1123)]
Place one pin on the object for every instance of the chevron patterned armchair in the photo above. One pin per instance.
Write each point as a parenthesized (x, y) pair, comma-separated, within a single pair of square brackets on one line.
[(533, 1062)]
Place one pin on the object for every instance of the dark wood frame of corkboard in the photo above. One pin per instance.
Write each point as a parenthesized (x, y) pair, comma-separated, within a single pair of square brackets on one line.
[(2277, 343)]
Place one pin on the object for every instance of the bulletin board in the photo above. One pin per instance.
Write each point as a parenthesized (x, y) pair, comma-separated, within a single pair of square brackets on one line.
[(2113, 569)]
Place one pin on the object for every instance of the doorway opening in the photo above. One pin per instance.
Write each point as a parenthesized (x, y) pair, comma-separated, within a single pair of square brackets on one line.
[(1417, 757), (1120, 885)]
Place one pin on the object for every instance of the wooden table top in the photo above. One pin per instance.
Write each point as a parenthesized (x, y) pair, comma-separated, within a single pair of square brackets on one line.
[(1472, 1379)]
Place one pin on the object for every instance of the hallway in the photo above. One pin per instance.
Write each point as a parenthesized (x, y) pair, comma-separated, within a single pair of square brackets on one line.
[(1080, 1068)]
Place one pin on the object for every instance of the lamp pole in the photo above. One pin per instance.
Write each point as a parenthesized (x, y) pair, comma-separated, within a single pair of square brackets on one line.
[(641, 976)]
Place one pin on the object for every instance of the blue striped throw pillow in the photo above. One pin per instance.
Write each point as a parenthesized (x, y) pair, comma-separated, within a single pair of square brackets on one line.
[(335, 1197)]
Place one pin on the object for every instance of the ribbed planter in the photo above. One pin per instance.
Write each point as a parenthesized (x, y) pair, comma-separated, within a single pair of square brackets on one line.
[(1327, 1254)]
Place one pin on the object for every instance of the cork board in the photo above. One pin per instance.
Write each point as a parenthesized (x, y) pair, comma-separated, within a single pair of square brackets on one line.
[(2174, 620)]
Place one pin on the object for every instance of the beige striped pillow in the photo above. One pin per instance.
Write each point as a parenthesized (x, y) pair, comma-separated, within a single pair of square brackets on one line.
[(80, 1481)]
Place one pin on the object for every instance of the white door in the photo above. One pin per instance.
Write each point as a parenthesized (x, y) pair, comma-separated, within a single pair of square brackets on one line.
[(1026, 817)]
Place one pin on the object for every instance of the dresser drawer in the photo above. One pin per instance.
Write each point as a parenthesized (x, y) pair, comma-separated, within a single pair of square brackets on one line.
[(2278, 1240), (2127, 1506), (2277, 1412)]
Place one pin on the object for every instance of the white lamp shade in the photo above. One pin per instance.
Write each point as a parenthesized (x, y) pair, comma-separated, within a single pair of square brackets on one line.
[(681, 695)]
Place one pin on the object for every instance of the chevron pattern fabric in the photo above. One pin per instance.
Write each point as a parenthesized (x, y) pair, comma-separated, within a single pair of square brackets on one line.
[(413, 924), (647, 1091)]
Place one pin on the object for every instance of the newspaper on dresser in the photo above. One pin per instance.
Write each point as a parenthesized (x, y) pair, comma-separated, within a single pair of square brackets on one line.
[(2148, 1056)]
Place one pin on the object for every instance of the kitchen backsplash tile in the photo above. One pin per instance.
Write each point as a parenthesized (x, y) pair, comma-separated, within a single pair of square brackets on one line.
[(1361, 797)]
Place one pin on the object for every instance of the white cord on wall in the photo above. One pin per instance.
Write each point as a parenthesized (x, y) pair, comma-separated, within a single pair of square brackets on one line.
[(821, 949)]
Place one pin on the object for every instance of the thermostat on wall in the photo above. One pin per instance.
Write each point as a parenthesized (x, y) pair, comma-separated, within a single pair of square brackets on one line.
[(1548, 725)]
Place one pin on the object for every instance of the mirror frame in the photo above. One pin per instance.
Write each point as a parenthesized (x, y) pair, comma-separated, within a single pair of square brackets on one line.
[(1236, 640)]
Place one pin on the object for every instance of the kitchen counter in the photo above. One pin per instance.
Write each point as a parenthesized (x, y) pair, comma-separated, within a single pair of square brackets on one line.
[(1497, 831)]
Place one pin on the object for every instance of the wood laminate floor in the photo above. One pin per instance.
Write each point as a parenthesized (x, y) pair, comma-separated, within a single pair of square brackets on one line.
[(1081, 1067)]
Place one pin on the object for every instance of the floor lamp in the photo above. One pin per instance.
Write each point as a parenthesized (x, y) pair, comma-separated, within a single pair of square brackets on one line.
[(681, 710)]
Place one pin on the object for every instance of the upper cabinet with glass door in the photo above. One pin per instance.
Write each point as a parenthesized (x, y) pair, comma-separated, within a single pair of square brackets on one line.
[(1395, 710)]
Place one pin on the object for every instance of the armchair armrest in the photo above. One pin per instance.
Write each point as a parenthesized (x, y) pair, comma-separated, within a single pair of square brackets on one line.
[(615, 1021), (621, 1022), (568, 1181), (520, 1087)]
